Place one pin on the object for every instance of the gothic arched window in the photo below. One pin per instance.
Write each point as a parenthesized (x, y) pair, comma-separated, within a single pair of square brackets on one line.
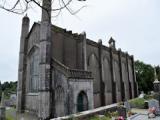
[(93, 66), (34, 70), (60, 101), (107, 75), (117, 74)]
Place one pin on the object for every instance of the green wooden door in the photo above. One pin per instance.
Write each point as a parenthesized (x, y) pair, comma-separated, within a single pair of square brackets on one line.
[(82, 102)]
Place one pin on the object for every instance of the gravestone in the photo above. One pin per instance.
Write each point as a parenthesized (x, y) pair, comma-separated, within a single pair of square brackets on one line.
[(141, 95), (154, 103), (127, 105)]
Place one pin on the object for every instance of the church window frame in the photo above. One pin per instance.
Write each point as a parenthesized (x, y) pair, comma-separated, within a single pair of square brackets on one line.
[(107, 66), (33, 69)]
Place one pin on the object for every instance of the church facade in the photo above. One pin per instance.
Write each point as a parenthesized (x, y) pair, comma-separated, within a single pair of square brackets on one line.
[(61, 72)]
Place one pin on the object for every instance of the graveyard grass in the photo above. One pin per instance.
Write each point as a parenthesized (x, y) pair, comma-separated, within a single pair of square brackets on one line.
[(10, 114), (102, 118), (140, 102)]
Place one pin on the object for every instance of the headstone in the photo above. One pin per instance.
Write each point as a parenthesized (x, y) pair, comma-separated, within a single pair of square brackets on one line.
[(12, 99), (146, 104), (154, 103), (141, 95), (127, 105)]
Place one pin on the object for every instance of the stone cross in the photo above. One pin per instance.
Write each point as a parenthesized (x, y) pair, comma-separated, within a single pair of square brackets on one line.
[(156, 82)]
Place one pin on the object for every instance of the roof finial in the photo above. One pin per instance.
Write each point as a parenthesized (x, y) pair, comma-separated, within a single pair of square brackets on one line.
[(112, 43)]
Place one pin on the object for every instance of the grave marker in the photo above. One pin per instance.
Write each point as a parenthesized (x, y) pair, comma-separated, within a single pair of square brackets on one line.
[(154, 103), (127, 105)]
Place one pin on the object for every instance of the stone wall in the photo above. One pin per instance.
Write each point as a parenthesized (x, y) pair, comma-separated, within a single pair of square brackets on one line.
[(77, 86), (113, 72), (31, 103), (112, 69), (66, 85), (60, 89), (93, 66), (31, 97), (90, 113), (67, 48)]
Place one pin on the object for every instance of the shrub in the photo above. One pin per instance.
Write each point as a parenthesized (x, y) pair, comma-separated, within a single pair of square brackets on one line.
[(94, 118), (108, 114), (137, 102), (105, 118), (148, 97)]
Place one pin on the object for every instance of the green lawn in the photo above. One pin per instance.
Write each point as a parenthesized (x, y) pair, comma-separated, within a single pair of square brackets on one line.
[(11, 114)]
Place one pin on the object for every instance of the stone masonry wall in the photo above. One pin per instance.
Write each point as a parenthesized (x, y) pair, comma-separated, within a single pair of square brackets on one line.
[(77, 86)]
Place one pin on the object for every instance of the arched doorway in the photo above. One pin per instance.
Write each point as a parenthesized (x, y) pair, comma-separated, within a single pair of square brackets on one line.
[(82, 102)]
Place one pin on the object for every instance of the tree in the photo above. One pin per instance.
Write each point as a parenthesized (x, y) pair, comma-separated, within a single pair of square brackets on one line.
[(21, 6), (144, 76), (8, 88), (0, 90)]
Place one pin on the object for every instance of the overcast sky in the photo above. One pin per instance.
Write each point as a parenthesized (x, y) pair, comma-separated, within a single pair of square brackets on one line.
[(134, 24)]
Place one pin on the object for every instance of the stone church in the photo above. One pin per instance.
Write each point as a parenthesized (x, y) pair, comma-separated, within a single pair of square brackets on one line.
[(61, 72)]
